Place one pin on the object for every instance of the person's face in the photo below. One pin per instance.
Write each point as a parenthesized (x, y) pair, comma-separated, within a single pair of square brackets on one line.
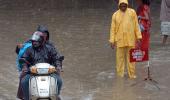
[(123, 7), (36, 44), (37, 40)]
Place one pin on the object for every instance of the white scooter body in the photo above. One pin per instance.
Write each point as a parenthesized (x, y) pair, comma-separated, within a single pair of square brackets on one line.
[(42, 85)]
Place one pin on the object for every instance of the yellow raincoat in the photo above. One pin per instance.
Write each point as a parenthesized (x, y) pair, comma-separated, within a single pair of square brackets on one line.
[(123, 33), (124, 28)]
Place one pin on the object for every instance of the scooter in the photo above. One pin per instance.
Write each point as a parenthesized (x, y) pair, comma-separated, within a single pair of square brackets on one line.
[(42, 85)]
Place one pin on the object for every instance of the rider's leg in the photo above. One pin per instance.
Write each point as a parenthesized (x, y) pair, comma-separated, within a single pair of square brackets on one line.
[(25, 86), (59, 82)]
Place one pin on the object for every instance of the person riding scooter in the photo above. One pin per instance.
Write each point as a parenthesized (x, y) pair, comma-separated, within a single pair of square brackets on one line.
[(22, 47), (39, 52)]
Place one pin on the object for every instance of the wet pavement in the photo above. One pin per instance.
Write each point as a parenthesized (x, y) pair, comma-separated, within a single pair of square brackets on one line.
[(89, 65)]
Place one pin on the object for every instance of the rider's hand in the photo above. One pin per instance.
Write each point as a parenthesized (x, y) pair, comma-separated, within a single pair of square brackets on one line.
[(52, 69), (33, 70)]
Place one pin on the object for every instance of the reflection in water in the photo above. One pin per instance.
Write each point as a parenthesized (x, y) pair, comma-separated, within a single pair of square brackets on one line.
[(122, 89)]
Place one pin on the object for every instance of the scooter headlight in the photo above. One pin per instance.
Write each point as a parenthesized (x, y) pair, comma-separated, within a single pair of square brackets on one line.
[(42, 70)]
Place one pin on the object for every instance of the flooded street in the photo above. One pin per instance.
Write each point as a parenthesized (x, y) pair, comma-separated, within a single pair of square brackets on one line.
[(81, 35)]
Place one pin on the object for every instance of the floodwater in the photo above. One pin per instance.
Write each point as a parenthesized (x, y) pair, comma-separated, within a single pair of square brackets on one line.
[(81, 35)]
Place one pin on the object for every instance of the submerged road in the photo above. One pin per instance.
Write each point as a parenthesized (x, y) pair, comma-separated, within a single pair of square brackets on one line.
[(81, 35)]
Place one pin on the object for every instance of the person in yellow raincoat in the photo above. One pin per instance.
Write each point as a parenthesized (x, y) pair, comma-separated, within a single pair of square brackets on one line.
[(124, 34)]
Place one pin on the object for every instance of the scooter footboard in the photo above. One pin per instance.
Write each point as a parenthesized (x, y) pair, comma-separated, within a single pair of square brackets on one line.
[(42, 87)]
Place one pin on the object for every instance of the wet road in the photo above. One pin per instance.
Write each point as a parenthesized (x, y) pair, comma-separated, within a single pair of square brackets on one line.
[(89, 65)]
